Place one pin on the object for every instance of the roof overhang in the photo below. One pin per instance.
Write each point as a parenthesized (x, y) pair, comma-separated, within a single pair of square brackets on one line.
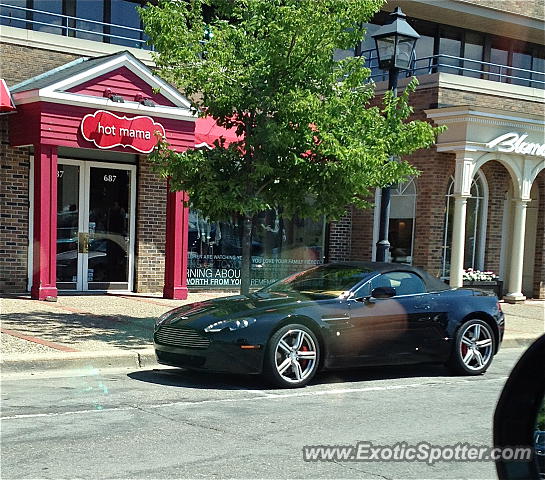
[(58, 92), (6, 102)]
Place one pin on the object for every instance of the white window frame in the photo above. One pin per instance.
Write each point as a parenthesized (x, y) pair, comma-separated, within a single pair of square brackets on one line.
[(376, 216)]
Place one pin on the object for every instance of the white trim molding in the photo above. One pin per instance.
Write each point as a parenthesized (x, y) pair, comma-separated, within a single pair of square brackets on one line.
[(57, 92)]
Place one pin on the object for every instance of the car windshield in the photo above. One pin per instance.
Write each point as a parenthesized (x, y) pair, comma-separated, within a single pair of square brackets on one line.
[(540, 438), (326, 280)]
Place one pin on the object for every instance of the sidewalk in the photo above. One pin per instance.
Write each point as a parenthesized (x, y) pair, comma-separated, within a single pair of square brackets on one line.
[(98, 331)]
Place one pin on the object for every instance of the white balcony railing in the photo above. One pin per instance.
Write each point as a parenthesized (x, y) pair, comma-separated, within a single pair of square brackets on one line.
[(461, 66), (35, 19)]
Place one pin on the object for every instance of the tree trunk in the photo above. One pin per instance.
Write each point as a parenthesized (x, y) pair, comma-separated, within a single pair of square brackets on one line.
[(245, 267)]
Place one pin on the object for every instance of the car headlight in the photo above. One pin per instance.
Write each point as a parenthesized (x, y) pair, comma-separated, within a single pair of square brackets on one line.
[(230, 324)]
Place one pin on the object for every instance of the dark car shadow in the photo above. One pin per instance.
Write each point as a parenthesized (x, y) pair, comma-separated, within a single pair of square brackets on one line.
[(178, 377)]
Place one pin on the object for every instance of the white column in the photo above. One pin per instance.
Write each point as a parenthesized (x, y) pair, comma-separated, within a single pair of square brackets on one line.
[(463, 175), (514, 285), (458, 241)]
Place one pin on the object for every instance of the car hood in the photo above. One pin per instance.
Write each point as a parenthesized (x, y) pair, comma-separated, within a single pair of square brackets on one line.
[(201, 314)]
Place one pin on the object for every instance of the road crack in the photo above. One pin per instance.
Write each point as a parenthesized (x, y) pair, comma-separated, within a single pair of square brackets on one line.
[(184, 421)]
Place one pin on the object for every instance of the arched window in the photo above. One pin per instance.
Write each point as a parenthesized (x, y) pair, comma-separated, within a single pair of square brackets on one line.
[(401, 225), (475, 233)]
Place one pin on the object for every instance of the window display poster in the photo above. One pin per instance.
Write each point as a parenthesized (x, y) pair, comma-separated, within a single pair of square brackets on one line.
[(280, 247)]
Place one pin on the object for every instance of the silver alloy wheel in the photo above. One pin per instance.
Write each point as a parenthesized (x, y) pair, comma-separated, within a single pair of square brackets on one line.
[(476, 346), (295, 356)]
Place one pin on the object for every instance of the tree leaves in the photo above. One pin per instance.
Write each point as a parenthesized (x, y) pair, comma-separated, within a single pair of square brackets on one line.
[(311, 142)]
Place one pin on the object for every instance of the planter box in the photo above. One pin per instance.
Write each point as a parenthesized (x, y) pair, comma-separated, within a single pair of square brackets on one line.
[(496, 286)]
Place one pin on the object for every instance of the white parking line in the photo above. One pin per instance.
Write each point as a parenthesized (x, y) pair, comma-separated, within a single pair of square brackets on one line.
[(263, 396)]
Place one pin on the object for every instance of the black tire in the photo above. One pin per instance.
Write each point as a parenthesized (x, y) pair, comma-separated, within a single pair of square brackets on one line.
[(278, 356), (472, 356)]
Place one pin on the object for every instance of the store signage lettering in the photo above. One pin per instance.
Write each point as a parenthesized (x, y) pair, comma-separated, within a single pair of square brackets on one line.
[(209, 276), (514, 143), (107, 130)]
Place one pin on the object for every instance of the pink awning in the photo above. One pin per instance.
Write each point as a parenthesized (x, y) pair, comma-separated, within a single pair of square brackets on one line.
[(207, 130), (6, 103)]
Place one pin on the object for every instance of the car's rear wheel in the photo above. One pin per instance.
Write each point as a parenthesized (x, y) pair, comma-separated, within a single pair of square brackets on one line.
[(292, 356), (473, 348)]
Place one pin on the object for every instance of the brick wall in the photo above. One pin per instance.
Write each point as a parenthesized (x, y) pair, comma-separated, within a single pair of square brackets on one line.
[(361, 247), (431, 190), (340, 238), (14, 203), (539, 265), (527, 8), (498, 180), (452, 98), (150, 229), (21, 63)]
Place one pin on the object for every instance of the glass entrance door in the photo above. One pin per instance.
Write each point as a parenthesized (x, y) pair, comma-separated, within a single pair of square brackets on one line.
[(69, 221), (95, 226)]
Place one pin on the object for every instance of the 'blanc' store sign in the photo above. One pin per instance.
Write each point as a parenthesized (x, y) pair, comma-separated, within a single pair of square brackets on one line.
[(514, 143), (107, 130)]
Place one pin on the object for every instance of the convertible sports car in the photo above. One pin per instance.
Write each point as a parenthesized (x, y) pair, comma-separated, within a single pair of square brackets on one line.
[(335, 316)]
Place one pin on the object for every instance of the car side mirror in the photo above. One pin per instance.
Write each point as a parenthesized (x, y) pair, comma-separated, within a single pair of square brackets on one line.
[(519, 420), (383, 292)]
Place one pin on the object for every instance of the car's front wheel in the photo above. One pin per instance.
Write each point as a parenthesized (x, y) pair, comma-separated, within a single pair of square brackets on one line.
[(473, 348), (292, 356)]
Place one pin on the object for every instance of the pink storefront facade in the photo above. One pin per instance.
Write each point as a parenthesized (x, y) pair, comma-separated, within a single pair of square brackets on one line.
[(90, 125)]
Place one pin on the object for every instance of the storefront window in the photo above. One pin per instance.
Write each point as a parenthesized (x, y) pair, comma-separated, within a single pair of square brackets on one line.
[(538, 66), (45, 22), (522, 61), (475, 226), (89, 10), (10, 15), (401, 228), (450, 45), (499, 55), (124, 13), (280, 246), (425, 45), (113, 21), (473, 54)]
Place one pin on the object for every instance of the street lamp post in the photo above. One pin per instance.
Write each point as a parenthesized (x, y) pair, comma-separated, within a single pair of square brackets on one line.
[(395, 43)]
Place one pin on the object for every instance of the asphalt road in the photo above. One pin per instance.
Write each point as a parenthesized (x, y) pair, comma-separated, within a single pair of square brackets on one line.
[(168, 423)]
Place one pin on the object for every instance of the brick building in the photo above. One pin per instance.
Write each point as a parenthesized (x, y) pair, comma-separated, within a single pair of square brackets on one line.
[(478, 203)]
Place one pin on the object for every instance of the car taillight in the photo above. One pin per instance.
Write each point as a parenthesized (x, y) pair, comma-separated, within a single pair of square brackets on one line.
[(499, 306)]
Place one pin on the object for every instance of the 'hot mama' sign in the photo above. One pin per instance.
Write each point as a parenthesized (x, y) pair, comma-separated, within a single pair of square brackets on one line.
[(107, 130)]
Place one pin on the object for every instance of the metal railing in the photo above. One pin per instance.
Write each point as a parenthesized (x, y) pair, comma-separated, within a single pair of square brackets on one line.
[(71, 26), (461, 66)]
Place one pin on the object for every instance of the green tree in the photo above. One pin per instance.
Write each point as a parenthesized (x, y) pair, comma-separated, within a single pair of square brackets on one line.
[(310, 142)]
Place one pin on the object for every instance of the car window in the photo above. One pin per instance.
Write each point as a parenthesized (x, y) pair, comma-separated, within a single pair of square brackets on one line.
[(331, 280), (405, 283)]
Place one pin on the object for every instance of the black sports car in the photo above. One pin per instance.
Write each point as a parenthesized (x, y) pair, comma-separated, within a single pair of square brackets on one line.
[(334, 316)]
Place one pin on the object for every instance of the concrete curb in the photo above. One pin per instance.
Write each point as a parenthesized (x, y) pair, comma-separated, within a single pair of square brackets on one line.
[(144, 358)]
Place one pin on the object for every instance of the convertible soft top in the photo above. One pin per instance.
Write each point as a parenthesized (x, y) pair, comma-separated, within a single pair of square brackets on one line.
[(433, 284)]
